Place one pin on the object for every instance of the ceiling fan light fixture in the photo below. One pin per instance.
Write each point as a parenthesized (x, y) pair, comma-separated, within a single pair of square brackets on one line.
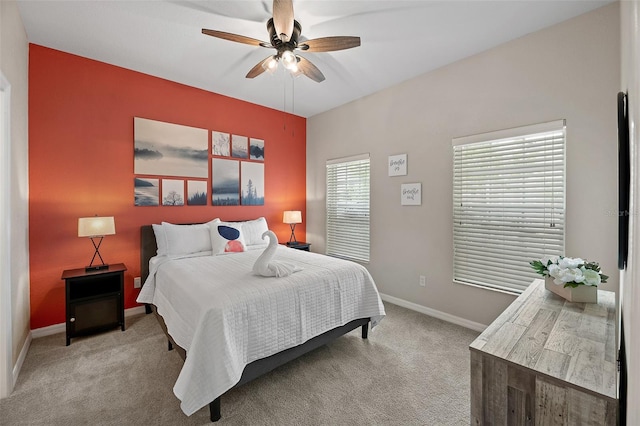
[(289, 60), (271, 65), (296, 72)]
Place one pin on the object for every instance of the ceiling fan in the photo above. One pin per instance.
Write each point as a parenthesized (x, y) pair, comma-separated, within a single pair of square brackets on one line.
[(284, 35)]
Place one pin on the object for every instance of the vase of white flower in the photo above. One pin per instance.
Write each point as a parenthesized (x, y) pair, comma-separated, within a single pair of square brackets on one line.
[(574, 279), (580, 294)]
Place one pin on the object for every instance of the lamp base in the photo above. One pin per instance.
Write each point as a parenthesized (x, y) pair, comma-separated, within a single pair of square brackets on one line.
[(292, 238), (96, 267)]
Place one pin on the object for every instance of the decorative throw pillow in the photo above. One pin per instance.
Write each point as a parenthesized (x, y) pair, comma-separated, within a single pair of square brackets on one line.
[(226, 237), (252, 231)]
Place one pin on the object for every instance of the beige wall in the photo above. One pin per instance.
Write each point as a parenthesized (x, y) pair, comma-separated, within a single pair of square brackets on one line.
[(630, 278), (570, 71), (14, 59)]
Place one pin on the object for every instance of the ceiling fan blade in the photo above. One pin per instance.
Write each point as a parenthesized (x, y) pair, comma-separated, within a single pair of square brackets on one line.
[(310, 70), (330, 44), (283, 19), (235, 37), (259, 68)]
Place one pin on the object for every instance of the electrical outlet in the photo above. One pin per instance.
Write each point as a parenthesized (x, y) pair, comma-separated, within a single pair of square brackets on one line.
[(423, 281), (137, 282)]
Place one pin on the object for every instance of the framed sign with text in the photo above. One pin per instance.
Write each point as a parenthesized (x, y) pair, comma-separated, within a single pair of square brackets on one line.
[(398, 165), (411, 194)]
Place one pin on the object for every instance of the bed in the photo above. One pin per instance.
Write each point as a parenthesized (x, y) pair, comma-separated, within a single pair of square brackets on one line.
[(231, 326)]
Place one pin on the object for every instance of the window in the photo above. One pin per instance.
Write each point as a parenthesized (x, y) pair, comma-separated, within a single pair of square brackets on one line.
[(348, 208), (508, 204)]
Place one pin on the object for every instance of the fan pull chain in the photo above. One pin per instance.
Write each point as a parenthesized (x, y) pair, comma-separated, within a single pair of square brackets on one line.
[(293, 101), (284, 105)]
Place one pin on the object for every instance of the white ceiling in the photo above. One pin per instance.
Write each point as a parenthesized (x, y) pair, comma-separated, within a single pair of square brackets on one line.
[(400, 40)]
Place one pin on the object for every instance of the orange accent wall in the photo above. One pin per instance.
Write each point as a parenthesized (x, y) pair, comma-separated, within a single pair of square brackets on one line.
[(81, 164)]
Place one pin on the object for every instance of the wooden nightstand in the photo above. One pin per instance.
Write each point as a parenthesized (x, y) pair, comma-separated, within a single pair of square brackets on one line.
[(300, 245), (94, 300)]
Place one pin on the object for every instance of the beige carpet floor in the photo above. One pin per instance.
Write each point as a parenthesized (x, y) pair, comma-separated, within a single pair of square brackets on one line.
[(413, 370)]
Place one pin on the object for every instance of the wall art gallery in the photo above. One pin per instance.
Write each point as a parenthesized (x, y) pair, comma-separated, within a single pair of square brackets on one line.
[(171, 166)]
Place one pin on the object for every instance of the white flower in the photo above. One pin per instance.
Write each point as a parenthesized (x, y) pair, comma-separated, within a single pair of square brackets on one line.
[(578, 275), (546, 259), (591, 277), (569, 275), (554, 270), (568, 262)]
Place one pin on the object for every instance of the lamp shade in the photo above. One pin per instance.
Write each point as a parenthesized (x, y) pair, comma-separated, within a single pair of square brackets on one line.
[(292, 216), (96, 226)]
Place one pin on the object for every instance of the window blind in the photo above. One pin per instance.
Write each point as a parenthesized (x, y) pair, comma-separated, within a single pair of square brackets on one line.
[(508, 204), (348, 208)]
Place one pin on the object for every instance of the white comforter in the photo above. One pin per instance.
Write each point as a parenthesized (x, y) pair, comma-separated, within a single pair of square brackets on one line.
[(226, 317)]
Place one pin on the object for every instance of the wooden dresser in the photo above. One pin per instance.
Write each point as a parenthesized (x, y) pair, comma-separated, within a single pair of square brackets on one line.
[(545, 361)]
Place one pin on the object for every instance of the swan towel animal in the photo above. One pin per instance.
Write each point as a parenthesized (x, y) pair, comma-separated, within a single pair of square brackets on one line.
[(266, 267)]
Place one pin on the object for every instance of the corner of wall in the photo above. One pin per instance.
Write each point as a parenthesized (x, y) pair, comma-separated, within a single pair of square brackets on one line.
[(15, 59), (21, 357)]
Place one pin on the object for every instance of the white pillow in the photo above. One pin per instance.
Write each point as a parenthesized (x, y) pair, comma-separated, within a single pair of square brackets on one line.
[(161, 239), (186, 239), (253, 230), (226, 237)]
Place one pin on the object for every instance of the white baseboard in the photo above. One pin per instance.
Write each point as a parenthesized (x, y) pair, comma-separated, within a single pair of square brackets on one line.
[(61, 328), (476, 326), (23, 355), (48, 331)]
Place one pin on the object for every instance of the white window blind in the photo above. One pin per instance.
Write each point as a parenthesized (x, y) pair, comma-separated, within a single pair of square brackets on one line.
[(508, 204), (348, 208)]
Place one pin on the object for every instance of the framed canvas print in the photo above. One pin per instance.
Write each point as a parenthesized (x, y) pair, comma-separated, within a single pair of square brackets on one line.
[(411, 194), (256, 149), (166, 149), (197, 193), (225, 185), (172, 192), (252, 184), (239, 146), (221, 143), (146, 192)]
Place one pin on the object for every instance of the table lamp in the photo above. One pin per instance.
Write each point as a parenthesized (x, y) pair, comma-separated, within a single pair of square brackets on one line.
[(96, 227), (292, 217)]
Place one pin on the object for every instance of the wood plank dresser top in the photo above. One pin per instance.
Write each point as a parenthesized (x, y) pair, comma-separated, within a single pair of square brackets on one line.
[(571, 342)]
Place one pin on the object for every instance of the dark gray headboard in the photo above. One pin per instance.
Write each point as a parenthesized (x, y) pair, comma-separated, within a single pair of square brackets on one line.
[(148, 249)]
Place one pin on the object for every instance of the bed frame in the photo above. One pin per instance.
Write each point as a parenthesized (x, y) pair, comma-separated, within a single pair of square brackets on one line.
[(148, 249)]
